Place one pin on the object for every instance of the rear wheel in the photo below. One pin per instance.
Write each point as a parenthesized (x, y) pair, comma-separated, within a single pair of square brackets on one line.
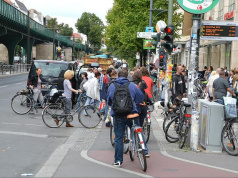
[(140, 152), (171, 131), (183, 135), (167, 119), (112, 135), (21, 104), (53, 116), (229, 138), (89, 116)]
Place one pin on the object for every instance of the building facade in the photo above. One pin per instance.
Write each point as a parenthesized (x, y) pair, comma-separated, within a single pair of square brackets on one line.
[(211, 53)]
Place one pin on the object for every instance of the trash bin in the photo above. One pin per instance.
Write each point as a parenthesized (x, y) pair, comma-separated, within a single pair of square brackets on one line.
[(210, 125)]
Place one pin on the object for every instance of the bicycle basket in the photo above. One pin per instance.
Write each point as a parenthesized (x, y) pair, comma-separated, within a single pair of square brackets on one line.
[(230, 107), (25, 92)]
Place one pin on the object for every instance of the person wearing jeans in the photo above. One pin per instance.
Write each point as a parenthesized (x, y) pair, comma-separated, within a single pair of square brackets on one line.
[(81, 89)]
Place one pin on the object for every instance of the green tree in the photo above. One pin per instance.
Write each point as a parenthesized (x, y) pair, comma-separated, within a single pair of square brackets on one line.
[(92, 26), (125, 19), (62, 28)]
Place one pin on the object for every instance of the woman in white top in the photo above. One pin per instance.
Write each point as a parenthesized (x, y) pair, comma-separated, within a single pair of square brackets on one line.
[(92, 90)]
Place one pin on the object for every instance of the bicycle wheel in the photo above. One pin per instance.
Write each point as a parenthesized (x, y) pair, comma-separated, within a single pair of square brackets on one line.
[(112, 135), (183, 135), (140, 152), (51, 116), (171, 131), (167, 120), (229, 138), (131, 149), (146, 130), (89, 116), (21, 104), (126, 141)]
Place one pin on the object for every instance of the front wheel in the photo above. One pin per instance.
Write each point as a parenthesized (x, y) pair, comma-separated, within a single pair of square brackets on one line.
[(21, 104), (140, 152), (53, 116), (89, 116), (229, 138), (146, 130)]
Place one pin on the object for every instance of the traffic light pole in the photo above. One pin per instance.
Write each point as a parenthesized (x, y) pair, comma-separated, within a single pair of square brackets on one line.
[(167, 84), (150, 24), (192, 84)]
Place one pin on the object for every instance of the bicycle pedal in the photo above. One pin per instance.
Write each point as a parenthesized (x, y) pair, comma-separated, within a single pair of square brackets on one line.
[(126, 140)]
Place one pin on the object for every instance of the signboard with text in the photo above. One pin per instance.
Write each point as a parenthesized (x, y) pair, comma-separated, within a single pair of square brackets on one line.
[(197, 6), (148, 44), (145, 34), (219, 31)]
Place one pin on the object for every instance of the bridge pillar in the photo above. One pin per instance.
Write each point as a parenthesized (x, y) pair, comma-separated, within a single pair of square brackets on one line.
[(10, 40), (23, 43), (44, 51), (68, 54)]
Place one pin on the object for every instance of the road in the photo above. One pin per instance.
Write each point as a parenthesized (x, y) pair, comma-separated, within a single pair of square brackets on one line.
[(29, 147)]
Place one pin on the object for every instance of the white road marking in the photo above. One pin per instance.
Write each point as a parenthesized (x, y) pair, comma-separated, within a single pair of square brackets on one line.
[(18, 83), (4, 86), (5, 123), (24, 134), (50, 167), (85, 156), (35, 125), (165, 153)]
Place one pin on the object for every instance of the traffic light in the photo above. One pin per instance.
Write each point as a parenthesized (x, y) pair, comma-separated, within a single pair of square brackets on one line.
[(168, 38), (157, 38), (161, 58)]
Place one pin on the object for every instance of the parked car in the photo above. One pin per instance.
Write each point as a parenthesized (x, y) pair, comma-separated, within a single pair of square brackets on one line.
[(53, 73)]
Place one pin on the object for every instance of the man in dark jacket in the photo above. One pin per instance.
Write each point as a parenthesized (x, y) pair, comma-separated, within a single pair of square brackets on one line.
[(178, 84), (121, 121)]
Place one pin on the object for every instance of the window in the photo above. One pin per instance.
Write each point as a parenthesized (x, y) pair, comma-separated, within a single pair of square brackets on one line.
[(231, 5), (220, 11)]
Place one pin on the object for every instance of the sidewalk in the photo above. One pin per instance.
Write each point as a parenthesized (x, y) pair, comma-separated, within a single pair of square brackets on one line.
[(9, 75)]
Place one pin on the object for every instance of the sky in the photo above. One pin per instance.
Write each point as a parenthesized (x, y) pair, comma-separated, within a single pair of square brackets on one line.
[(70, 10)]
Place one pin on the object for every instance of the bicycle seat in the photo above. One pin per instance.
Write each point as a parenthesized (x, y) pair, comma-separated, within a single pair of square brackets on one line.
[(187, 105)]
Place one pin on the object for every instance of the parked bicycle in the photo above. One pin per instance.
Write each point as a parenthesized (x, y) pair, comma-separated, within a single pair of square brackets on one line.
[(54, 115), (178, 127)]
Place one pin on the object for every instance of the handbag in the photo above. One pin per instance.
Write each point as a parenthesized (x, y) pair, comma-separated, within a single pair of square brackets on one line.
[(230, 107)]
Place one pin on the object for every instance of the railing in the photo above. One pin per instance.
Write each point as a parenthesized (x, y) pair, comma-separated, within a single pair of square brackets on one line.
[(14, 69), (11, 15)]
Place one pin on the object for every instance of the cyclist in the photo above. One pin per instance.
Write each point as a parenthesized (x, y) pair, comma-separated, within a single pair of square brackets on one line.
[(121, 121), (149, 82), (81, 89), (68, 75), (36, 85)]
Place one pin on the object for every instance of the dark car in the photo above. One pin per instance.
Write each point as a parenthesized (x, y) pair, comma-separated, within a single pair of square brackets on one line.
[(53, 73)]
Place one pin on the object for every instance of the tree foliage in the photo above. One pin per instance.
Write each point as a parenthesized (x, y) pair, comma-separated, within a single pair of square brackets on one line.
[(126, 18), (63, 29), (92, 26)]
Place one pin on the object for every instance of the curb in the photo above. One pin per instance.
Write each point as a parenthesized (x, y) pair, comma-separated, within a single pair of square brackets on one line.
[(9, 75)]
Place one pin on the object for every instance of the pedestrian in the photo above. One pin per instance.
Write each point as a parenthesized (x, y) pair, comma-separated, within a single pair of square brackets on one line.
[(149, 82), (90, 73), (221, 87), (36, 85), (174, 69), (82, 91), (92, 90), (235, 78), (230, 78), (214, 75), (68, 75), (100, 82), (178, 84), (210, 69), (204, 72), (120, 121)]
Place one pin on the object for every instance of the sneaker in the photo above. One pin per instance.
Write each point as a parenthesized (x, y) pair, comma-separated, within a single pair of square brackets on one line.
[(117, 164), (147, 155)]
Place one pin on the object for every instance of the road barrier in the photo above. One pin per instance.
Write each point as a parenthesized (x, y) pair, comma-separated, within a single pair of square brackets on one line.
[(14, 69)]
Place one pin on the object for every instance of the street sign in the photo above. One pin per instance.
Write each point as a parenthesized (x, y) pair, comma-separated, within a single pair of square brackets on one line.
[(219, 31), (149, 29), (157, 63), (148, 44), (59, 48), (145, 34), (197, 6)]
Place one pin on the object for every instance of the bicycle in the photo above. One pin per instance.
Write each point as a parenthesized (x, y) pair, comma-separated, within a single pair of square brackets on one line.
[(136, 144), (180, 124), (23, 102), (147, 123), (54, 115)]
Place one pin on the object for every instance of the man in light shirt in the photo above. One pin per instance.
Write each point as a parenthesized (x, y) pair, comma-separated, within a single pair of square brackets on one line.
[(210, 83)]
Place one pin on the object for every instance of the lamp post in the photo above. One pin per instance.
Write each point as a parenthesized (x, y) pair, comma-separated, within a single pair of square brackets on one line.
[(54, 43), (28, 37)]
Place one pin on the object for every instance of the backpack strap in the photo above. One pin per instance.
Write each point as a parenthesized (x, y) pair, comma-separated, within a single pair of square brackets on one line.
[(115, 84)]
